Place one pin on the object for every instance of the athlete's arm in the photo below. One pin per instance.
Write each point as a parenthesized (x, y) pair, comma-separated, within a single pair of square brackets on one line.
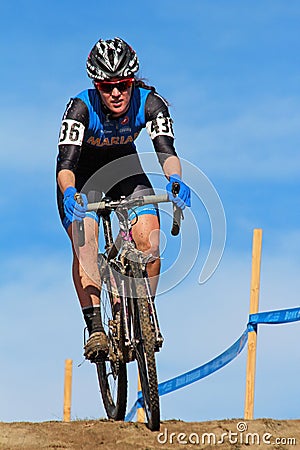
[(172, 165), (65, 179), (160, 129), (74, 122)]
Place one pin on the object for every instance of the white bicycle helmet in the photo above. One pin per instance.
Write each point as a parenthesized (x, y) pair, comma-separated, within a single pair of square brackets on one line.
[(111, 59)]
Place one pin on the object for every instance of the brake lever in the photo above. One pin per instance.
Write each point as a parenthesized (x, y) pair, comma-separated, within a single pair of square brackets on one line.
[(177, 212), (80, 225)]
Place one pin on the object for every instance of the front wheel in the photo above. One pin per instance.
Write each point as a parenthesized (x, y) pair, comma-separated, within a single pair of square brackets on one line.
[(112, 373), (145, 349)]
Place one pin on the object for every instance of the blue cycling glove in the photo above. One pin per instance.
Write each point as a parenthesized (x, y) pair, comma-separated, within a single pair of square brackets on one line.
[(183, 198), (73, 210)]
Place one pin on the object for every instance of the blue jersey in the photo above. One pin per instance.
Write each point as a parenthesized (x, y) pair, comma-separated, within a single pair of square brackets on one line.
[(103, 131), (90, 138), (100, 150)]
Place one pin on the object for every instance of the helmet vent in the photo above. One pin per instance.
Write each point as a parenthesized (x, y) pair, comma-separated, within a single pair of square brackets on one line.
[(111, 58)]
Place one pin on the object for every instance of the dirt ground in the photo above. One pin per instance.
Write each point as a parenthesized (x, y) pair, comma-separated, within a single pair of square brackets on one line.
[(103, 434)]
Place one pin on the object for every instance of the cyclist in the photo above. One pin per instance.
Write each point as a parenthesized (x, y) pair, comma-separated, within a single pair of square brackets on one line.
[(99, 126)]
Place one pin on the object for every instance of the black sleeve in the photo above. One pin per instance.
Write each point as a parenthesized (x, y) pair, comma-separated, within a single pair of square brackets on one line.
[(74, 122), (160, 126)]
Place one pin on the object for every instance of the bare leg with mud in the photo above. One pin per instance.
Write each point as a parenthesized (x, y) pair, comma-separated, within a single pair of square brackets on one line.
[(87, 284), (145, 233)]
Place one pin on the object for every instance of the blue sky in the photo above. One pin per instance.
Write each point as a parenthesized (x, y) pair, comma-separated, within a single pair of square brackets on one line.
[(230, 71)]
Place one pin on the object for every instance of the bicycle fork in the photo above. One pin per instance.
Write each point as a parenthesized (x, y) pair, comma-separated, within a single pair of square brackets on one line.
[(154, 318)]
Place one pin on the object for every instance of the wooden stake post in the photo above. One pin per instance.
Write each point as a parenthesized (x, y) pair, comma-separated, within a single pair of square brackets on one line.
[(68, 390), (252, 335), (140, 411)]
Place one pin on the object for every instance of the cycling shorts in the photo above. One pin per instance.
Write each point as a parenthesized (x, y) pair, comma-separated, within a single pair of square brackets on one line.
[(133, 214), (132, 186)]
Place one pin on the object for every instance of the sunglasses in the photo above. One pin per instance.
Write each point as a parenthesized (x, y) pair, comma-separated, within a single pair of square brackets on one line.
[(108, 86)]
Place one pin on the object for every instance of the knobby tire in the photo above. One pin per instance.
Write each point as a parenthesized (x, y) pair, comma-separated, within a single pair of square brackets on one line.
[(145, 349)]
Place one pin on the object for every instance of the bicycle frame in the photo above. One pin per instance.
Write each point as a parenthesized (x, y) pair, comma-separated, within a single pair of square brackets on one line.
[(120, 250), (132, 328)]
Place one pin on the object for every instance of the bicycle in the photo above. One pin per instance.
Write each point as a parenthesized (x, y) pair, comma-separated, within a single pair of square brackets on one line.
[(128, 310)]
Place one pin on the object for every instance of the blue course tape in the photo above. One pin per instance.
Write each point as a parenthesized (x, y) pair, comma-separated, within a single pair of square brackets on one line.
[(269, 317), (194, 375), (206, 369), (274, 317)]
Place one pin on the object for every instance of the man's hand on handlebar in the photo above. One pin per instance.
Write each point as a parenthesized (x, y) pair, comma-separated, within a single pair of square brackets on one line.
[(73, 209), (183, 198)]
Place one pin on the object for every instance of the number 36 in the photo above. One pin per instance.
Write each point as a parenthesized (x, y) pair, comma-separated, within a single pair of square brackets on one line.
[(71, 132)]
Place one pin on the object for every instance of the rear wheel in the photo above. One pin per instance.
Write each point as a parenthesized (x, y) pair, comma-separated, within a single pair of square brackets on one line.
[(144, 349), (112, 373)]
